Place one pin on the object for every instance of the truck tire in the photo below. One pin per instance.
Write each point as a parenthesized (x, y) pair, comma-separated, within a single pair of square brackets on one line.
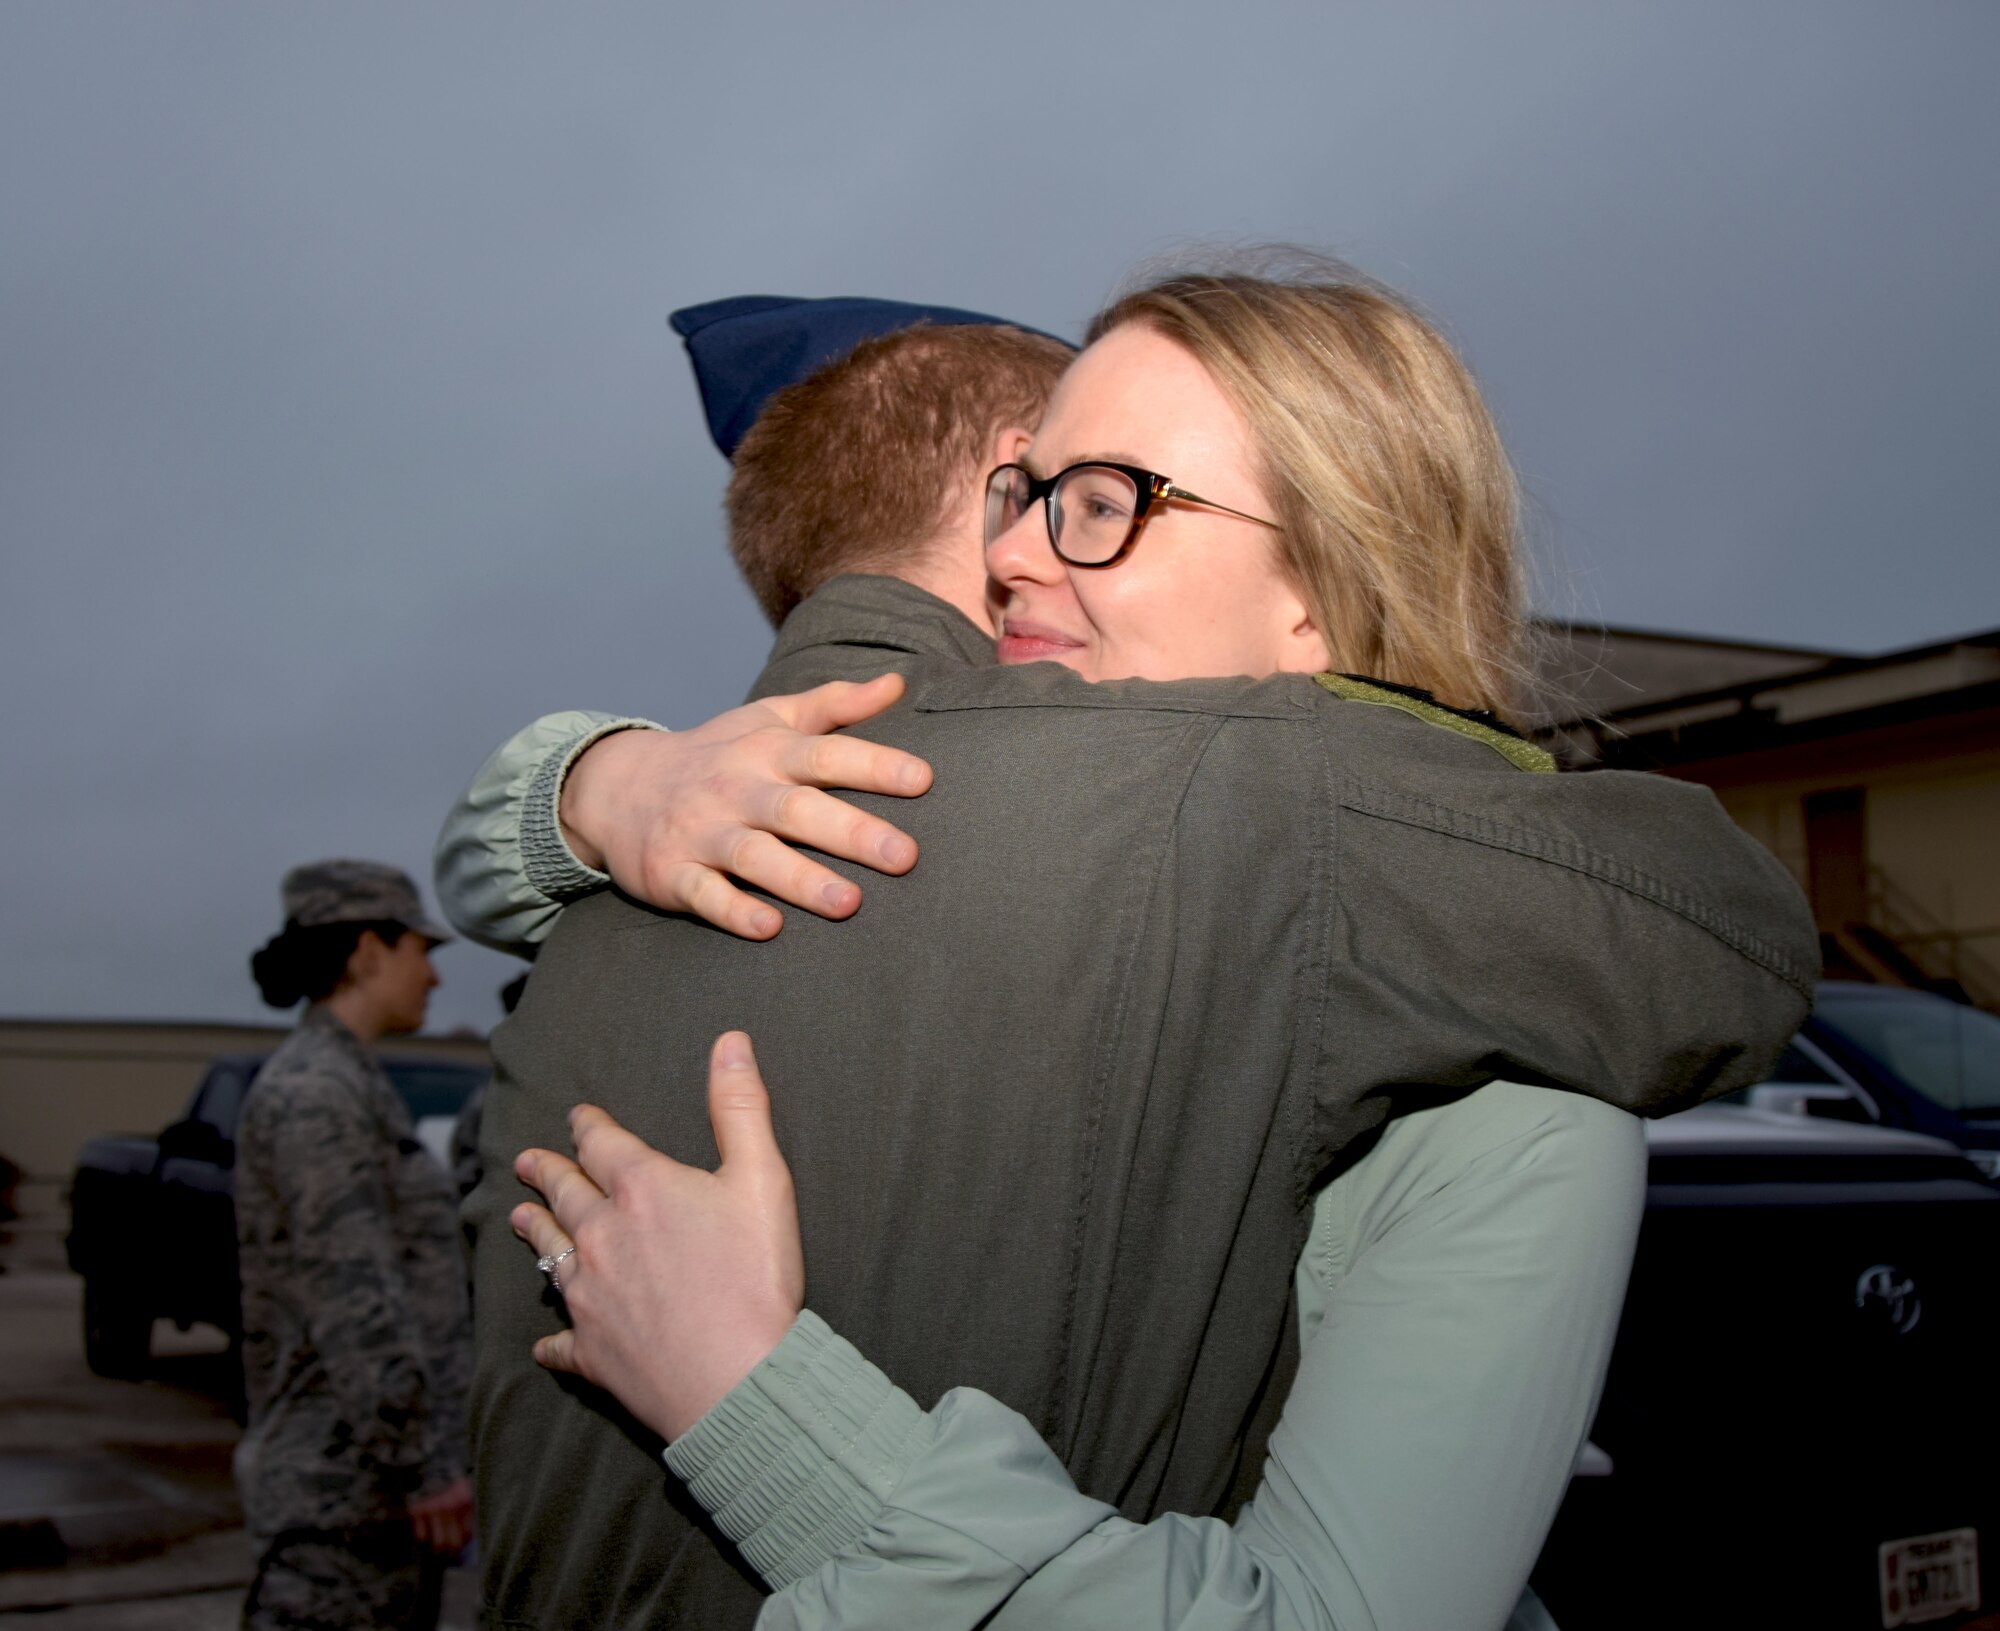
[(117, 1331)]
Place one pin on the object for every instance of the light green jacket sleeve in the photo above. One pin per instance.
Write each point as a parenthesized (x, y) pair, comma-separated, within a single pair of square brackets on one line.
[(1459, 1295), (502, 866)]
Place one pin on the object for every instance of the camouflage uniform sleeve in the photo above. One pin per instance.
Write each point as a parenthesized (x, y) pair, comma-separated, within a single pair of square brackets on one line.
[(448, 1374), (447, 1439), (329, 1169)]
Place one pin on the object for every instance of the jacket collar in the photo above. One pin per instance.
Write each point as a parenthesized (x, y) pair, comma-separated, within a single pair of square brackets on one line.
[(861, 609)]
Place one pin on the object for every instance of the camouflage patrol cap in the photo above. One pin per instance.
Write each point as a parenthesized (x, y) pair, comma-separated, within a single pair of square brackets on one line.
[(356, 892)]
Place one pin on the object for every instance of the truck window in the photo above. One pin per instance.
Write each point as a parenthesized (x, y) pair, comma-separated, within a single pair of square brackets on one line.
[(1945, 1050), (432, 1088), (219, 1101), (1793, 1066)]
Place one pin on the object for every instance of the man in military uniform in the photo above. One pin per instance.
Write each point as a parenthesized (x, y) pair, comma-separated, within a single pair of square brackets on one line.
[(356, 1326)]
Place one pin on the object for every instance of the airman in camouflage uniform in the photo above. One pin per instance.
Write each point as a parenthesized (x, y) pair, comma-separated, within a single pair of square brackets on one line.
[(356, 1327)]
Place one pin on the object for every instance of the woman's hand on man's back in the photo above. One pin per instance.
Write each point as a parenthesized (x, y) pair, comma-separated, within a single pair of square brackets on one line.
[(677, 1282), (675, 816)]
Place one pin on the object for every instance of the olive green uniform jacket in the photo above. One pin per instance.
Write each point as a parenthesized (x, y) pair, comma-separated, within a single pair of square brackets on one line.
[(1056, 1101)]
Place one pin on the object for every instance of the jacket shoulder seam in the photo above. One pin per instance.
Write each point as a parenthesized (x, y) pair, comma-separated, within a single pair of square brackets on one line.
[(1413, 810)]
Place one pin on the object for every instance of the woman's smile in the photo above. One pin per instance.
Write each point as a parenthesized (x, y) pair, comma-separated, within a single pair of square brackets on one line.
[(1023, 640)]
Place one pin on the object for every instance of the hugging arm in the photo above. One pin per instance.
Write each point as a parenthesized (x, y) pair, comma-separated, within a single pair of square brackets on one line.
[(1612, 933), (1462, 1286), (1458, 1297), (503, 868), (579, 800)]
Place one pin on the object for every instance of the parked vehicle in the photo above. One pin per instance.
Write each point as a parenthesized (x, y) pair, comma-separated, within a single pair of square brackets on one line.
[(153, 1220), (1898, 1058), (1794, 1431)]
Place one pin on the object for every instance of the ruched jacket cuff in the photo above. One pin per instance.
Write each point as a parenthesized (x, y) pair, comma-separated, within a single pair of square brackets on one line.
[(797, 1460), (549, 863)]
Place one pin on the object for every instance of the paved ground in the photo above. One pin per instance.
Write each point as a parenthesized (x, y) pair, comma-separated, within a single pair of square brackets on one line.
[(117, 1508)]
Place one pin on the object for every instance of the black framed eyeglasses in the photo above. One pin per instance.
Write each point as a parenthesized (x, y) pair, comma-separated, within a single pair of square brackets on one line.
[(1096, 511)]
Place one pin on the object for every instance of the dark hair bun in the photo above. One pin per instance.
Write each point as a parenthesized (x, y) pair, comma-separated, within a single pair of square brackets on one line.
[(307, 964), (275, 970)]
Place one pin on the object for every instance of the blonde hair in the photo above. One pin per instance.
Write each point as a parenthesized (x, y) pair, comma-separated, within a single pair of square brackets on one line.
[(1384, 469)]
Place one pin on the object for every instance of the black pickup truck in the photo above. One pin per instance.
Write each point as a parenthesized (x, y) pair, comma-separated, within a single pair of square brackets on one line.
[(1798, 1429), (153, 1220)]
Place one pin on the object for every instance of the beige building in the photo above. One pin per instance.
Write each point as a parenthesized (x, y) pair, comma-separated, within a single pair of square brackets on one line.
[(1876, 780), (63, 1081)]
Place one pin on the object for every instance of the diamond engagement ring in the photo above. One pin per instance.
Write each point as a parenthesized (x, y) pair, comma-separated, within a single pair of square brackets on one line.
[(549, 1265)]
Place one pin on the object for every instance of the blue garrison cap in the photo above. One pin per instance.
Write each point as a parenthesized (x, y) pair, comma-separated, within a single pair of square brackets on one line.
[(747, 349)]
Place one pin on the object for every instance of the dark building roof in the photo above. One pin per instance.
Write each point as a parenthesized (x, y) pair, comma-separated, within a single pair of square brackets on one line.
[(1595, 670), (1645, 701)]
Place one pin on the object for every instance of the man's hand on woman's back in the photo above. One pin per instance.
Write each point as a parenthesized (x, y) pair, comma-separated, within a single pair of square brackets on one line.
[(680, 818)]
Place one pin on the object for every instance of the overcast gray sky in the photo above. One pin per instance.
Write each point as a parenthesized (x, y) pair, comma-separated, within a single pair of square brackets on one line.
[(340, 430)]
